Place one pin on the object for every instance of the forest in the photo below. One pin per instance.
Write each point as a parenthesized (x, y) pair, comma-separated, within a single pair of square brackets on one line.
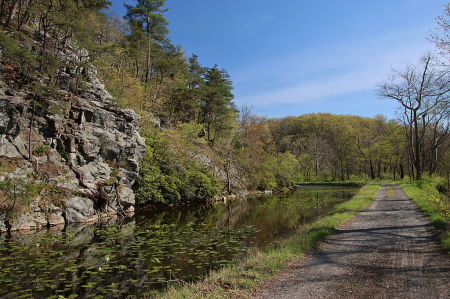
[(199, 142)]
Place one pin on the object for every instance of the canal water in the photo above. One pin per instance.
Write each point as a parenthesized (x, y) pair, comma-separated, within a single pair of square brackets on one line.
[(128, 257)]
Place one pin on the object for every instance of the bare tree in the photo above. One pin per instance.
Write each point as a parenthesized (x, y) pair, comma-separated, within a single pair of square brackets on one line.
[(441, 37), (422, 90), (318, 149)]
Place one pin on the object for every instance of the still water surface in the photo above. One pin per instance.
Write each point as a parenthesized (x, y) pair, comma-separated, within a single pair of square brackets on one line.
[(125, 258)]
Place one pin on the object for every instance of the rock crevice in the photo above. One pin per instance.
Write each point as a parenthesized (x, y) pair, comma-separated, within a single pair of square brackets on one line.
[(83, 144)]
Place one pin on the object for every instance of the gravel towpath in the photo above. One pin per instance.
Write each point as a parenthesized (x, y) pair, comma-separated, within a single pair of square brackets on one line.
[(389, 250)]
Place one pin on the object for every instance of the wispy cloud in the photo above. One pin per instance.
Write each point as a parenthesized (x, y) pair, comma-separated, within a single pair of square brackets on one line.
[(328, 70)]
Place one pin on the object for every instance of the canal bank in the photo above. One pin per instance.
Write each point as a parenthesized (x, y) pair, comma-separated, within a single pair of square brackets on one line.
[(240, 279)]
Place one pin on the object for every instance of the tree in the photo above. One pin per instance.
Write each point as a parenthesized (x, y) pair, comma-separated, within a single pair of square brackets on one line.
[(442, 40), (149, 15), (421, 90), (187, 98), (396, 145), (217, 107), (318, 149), (254, 135)]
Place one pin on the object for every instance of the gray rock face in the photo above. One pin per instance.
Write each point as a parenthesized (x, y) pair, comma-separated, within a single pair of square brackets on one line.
[(79, 209), (91, 147), (220, 173)]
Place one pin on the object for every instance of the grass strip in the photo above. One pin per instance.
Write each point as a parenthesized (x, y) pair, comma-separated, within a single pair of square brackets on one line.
[(241, 278), (434, 206)]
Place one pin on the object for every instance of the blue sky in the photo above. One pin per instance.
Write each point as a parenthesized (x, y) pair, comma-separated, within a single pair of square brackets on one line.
[(296, 57)]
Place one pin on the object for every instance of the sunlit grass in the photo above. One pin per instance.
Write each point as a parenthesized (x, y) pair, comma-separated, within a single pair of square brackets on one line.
[(239, 279), (390, 192), (434, 205), (359, 201)]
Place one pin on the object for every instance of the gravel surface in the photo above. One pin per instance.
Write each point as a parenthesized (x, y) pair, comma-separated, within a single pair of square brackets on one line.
[(389, 250)]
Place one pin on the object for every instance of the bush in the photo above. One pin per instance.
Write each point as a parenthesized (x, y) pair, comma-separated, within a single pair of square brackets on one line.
[(16, 195), (167, 178), (330, 179), (198, 183), (195, 183)]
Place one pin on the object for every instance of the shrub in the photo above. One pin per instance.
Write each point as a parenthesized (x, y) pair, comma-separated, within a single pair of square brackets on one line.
[(157, 185), (40, 150), (165, 177)]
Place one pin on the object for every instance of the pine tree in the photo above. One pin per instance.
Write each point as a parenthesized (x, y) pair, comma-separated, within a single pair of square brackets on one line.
[(149, 15), (217, 105)]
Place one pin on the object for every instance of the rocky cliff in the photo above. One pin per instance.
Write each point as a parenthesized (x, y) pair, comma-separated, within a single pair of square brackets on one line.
[(85, 153)]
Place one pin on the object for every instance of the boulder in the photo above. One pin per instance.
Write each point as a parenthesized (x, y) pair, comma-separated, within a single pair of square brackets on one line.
[(126, 197), (87, 174), (55, 216), (79, 210)]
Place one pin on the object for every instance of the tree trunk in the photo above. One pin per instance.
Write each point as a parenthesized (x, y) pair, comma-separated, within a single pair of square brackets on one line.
[(317, 167), (228, 174), (12, 12), (372, 170), (2, 9), (22, 21), (30, 156), (417, 162), (147, 74)]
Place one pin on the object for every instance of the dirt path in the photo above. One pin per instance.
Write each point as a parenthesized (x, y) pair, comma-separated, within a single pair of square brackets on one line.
[(387, 251)]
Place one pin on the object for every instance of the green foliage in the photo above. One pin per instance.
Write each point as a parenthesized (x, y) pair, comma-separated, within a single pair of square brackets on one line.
[(20, 56), (159, 185), (286, 169), (190, 132), (16, 195), (154, 186), (280, 171), (217, 108), (198, 183), (111, 181), (165, 177), (55, 109), (148, 14), (265, 180), (40, 150), (432, 203)]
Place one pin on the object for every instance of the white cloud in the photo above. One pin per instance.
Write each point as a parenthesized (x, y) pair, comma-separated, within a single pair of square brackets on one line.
[(317, 73)]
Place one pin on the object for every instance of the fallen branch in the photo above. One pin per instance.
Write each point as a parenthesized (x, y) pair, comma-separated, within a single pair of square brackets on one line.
[(167, 281)]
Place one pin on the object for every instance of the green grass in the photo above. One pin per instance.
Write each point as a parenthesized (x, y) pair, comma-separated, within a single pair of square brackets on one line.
[(239, 279), (411, 190), (390, 192), (435, 206)]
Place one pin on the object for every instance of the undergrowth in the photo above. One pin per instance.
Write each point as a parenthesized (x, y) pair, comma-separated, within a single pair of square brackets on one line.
[(238, 280)]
